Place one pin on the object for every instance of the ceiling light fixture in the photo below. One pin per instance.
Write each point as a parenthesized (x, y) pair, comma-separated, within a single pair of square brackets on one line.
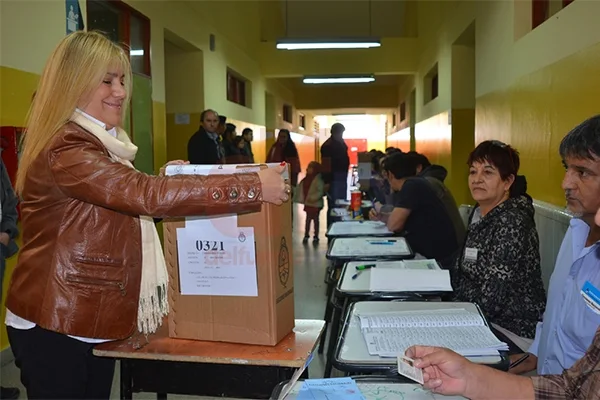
[(316, 80), (321, 44), (136, 52)]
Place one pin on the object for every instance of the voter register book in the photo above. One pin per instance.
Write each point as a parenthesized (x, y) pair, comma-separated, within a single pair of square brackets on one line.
[(390, 334)]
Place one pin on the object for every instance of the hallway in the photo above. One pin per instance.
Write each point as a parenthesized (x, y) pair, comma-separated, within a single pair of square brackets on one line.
[(309, 270)]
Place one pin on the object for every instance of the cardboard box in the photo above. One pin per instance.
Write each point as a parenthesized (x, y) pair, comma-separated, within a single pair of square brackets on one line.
[(264, 319)]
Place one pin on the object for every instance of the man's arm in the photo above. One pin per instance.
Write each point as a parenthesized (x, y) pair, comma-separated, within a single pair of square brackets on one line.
[(488, 383), (326, 164), (397, 219)]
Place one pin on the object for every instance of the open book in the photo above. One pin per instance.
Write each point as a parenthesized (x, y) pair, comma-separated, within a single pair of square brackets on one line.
[(391, 333)]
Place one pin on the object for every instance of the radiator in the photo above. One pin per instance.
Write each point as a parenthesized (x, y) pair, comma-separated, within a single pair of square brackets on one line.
[(552, 223)]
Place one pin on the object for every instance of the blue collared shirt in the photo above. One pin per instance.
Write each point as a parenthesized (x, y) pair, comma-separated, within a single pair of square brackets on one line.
[(569, 325)]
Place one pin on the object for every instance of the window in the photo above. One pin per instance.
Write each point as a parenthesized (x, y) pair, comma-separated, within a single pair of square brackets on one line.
[(541, 10), (124, 25), (403, 111), (302, 121), (394, 122), (236, 88), (287, 113), (431, 85)]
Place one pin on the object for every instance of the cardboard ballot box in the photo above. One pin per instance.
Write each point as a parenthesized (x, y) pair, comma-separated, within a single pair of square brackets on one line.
[(230, 277)]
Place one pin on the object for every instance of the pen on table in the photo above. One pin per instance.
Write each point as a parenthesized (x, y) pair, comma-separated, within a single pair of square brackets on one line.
[(519, 361), (361, 268), (366, 266)]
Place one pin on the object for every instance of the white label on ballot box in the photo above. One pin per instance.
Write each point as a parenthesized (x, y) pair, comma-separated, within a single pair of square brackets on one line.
[(214, 262)]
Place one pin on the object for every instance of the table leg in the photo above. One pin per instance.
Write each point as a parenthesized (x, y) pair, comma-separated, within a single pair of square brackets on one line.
[(333, 336), (328, 311), (126, 380), (161, 396)]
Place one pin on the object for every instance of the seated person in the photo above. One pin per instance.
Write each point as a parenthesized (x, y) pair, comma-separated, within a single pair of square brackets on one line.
[(424, 211), (569, 324), (426, 169), (377, 184), (499, 268)]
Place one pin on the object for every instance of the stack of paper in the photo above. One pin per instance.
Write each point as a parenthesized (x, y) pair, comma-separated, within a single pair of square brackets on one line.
[(410, 276), (390, 334)]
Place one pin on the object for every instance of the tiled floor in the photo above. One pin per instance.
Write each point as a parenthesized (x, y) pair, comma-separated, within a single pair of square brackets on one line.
[(309, 268)]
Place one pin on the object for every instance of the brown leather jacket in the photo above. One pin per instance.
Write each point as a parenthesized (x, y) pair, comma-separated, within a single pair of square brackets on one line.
[(79, 270)]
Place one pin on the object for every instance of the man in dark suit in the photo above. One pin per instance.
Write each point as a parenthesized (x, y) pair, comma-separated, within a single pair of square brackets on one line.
[(205, 145)]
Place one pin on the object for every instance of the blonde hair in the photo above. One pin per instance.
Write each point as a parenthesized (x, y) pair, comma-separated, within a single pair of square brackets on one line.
[(72, 74)]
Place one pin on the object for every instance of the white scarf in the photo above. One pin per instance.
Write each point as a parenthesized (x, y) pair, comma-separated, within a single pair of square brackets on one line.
[(153, 304)]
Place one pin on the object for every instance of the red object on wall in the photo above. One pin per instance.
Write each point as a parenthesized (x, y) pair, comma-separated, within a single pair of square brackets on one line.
[(355, 146), (10, 138)]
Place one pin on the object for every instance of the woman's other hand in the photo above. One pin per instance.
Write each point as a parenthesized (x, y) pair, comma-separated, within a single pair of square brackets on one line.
[(274, 188), (174, 162)]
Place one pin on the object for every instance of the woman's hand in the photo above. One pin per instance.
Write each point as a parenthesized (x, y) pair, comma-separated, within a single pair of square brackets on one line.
[(174, 162), (444, 371), (274, 188)]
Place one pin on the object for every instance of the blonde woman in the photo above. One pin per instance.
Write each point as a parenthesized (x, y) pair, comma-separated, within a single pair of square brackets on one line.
[(91, 268)]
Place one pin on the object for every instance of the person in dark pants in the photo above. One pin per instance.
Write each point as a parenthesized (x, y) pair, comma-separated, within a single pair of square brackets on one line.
[(8, 246), (336, 163), (248, 137), (91, 268)]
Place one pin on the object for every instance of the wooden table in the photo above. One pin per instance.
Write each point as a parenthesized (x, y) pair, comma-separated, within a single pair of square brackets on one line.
[(189, 367)]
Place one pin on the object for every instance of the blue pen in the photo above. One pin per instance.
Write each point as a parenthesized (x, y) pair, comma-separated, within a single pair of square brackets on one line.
[(383, 243)]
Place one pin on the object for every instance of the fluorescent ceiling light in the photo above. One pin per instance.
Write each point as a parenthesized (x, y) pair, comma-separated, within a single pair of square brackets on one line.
[(327, 44), (137, 52), (338, 79)]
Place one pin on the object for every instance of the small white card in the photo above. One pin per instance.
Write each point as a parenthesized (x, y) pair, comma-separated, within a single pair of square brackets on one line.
[(470, 254), (406, 368)]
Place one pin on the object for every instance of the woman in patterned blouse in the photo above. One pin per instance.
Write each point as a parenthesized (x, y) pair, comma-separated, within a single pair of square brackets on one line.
[(499, 268)]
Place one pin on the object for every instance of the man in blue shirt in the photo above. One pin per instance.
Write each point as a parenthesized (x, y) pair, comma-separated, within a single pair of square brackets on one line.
[(569, 325)]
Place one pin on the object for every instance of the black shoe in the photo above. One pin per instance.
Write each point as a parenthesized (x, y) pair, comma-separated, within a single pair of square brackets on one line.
[(9, 393), (316, 239), (305, 240)]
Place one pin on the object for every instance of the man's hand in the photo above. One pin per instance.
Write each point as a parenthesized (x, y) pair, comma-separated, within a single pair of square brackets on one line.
[(4, 238), (528, 365), (373, 216), (377, 206), (444, 371), (174, 162)]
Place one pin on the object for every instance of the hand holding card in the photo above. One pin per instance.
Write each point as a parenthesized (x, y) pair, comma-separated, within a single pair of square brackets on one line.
[(406, 368)]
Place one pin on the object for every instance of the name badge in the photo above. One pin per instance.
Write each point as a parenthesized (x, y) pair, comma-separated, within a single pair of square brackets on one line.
[(470, 254), (591, 296)]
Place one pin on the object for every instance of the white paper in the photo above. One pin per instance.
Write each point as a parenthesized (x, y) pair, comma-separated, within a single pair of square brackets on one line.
[(216, 263), (409, 280), (182, 119), (357, 228), (221, 169), (369, 247), (391, 334)]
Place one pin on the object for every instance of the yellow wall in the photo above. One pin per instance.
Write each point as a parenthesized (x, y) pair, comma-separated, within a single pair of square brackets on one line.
[(531, 87)]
